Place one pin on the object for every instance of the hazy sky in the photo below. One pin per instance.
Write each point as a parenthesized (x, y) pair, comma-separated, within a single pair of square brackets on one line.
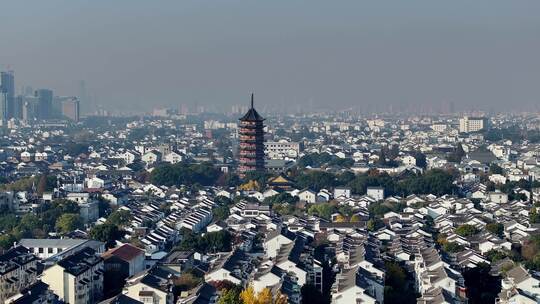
[(136, 54)]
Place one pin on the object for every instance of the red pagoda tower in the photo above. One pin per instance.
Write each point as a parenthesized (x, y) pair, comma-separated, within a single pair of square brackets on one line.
[(251, 133)]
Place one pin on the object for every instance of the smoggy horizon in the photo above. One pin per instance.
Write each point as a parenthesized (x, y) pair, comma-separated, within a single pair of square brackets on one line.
[(137, 55)]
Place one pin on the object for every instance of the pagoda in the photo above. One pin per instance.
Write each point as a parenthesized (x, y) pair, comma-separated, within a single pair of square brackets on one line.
[(251, 137)]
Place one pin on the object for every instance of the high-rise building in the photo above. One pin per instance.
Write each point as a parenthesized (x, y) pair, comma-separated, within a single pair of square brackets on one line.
[(3, 106), (251, 137), (19, 102), (71, 108), (7, 92), (45, 99), (472, 124), (29, 108)]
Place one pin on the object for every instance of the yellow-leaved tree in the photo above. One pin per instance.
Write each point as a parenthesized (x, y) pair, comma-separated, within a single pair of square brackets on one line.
[(265, 296), (355, 218), (340, 219), (250, 186)]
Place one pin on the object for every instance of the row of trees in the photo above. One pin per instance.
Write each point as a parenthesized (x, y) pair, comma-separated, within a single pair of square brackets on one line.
[(61, 216), (316, 160), (434, 181), (185, 174), (210, 242)]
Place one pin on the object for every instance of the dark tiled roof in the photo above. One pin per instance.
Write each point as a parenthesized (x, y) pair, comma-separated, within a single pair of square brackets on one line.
[(80, 261), (252, 114), (14, 258), (121, 299)]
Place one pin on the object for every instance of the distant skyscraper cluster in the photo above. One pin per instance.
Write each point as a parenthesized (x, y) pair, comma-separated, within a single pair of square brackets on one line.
[(32, 105)]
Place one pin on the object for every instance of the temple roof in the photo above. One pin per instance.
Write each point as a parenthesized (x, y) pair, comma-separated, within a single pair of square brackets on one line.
[(252, 114)]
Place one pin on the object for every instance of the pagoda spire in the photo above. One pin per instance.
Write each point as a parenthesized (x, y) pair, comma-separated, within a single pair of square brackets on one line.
[(252, 100)]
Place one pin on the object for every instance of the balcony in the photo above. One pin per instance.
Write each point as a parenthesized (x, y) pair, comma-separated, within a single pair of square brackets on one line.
[(249, 161)]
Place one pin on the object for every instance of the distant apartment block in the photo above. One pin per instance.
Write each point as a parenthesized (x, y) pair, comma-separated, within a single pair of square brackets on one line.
[(282, 149), (472, 124), (71, 109)]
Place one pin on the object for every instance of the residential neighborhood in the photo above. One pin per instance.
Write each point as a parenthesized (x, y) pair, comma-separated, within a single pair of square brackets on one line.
[(365, 210)]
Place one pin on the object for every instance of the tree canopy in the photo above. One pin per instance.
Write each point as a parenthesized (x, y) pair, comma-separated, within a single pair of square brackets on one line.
[(219, 241), (185, 174)]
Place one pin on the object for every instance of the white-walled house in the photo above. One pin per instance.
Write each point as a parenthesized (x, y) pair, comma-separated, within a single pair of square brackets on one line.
[(376, 192), (308, 196)]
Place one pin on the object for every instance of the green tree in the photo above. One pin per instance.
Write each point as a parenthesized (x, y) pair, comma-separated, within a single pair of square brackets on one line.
[(315, 160), (534, 217), (482, 286), (420, 159), (466, 230), (374, 224), (68, 222), (495, 169), (6, 241), (495, 228), (221, 213), (8, 221), (280, 198), (495, 255), (453, 247), (396, 286), (65, 206), (230, 296), (107, 233), (185, 174), (75, 149), (220, 241), (324, 210), (120, 218), (316, 180)]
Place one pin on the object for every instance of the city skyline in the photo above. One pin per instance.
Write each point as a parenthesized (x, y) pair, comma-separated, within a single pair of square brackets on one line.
[(420, 54)]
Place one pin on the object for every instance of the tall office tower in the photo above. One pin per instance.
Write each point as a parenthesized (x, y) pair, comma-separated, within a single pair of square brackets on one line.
[(29, 109), (44, 99), (7, 90), (19, 102), (3, 107), (71, 108), (251, 136)]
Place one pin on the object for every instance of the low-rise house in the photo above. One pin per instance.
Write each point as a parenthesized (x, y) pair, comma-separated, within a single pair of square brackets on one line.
[(498, 197), (234, 267), (126, 258), (152, 286), (308, 196), (351, 287), (376, 193), (520, 286), (342, 192)]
